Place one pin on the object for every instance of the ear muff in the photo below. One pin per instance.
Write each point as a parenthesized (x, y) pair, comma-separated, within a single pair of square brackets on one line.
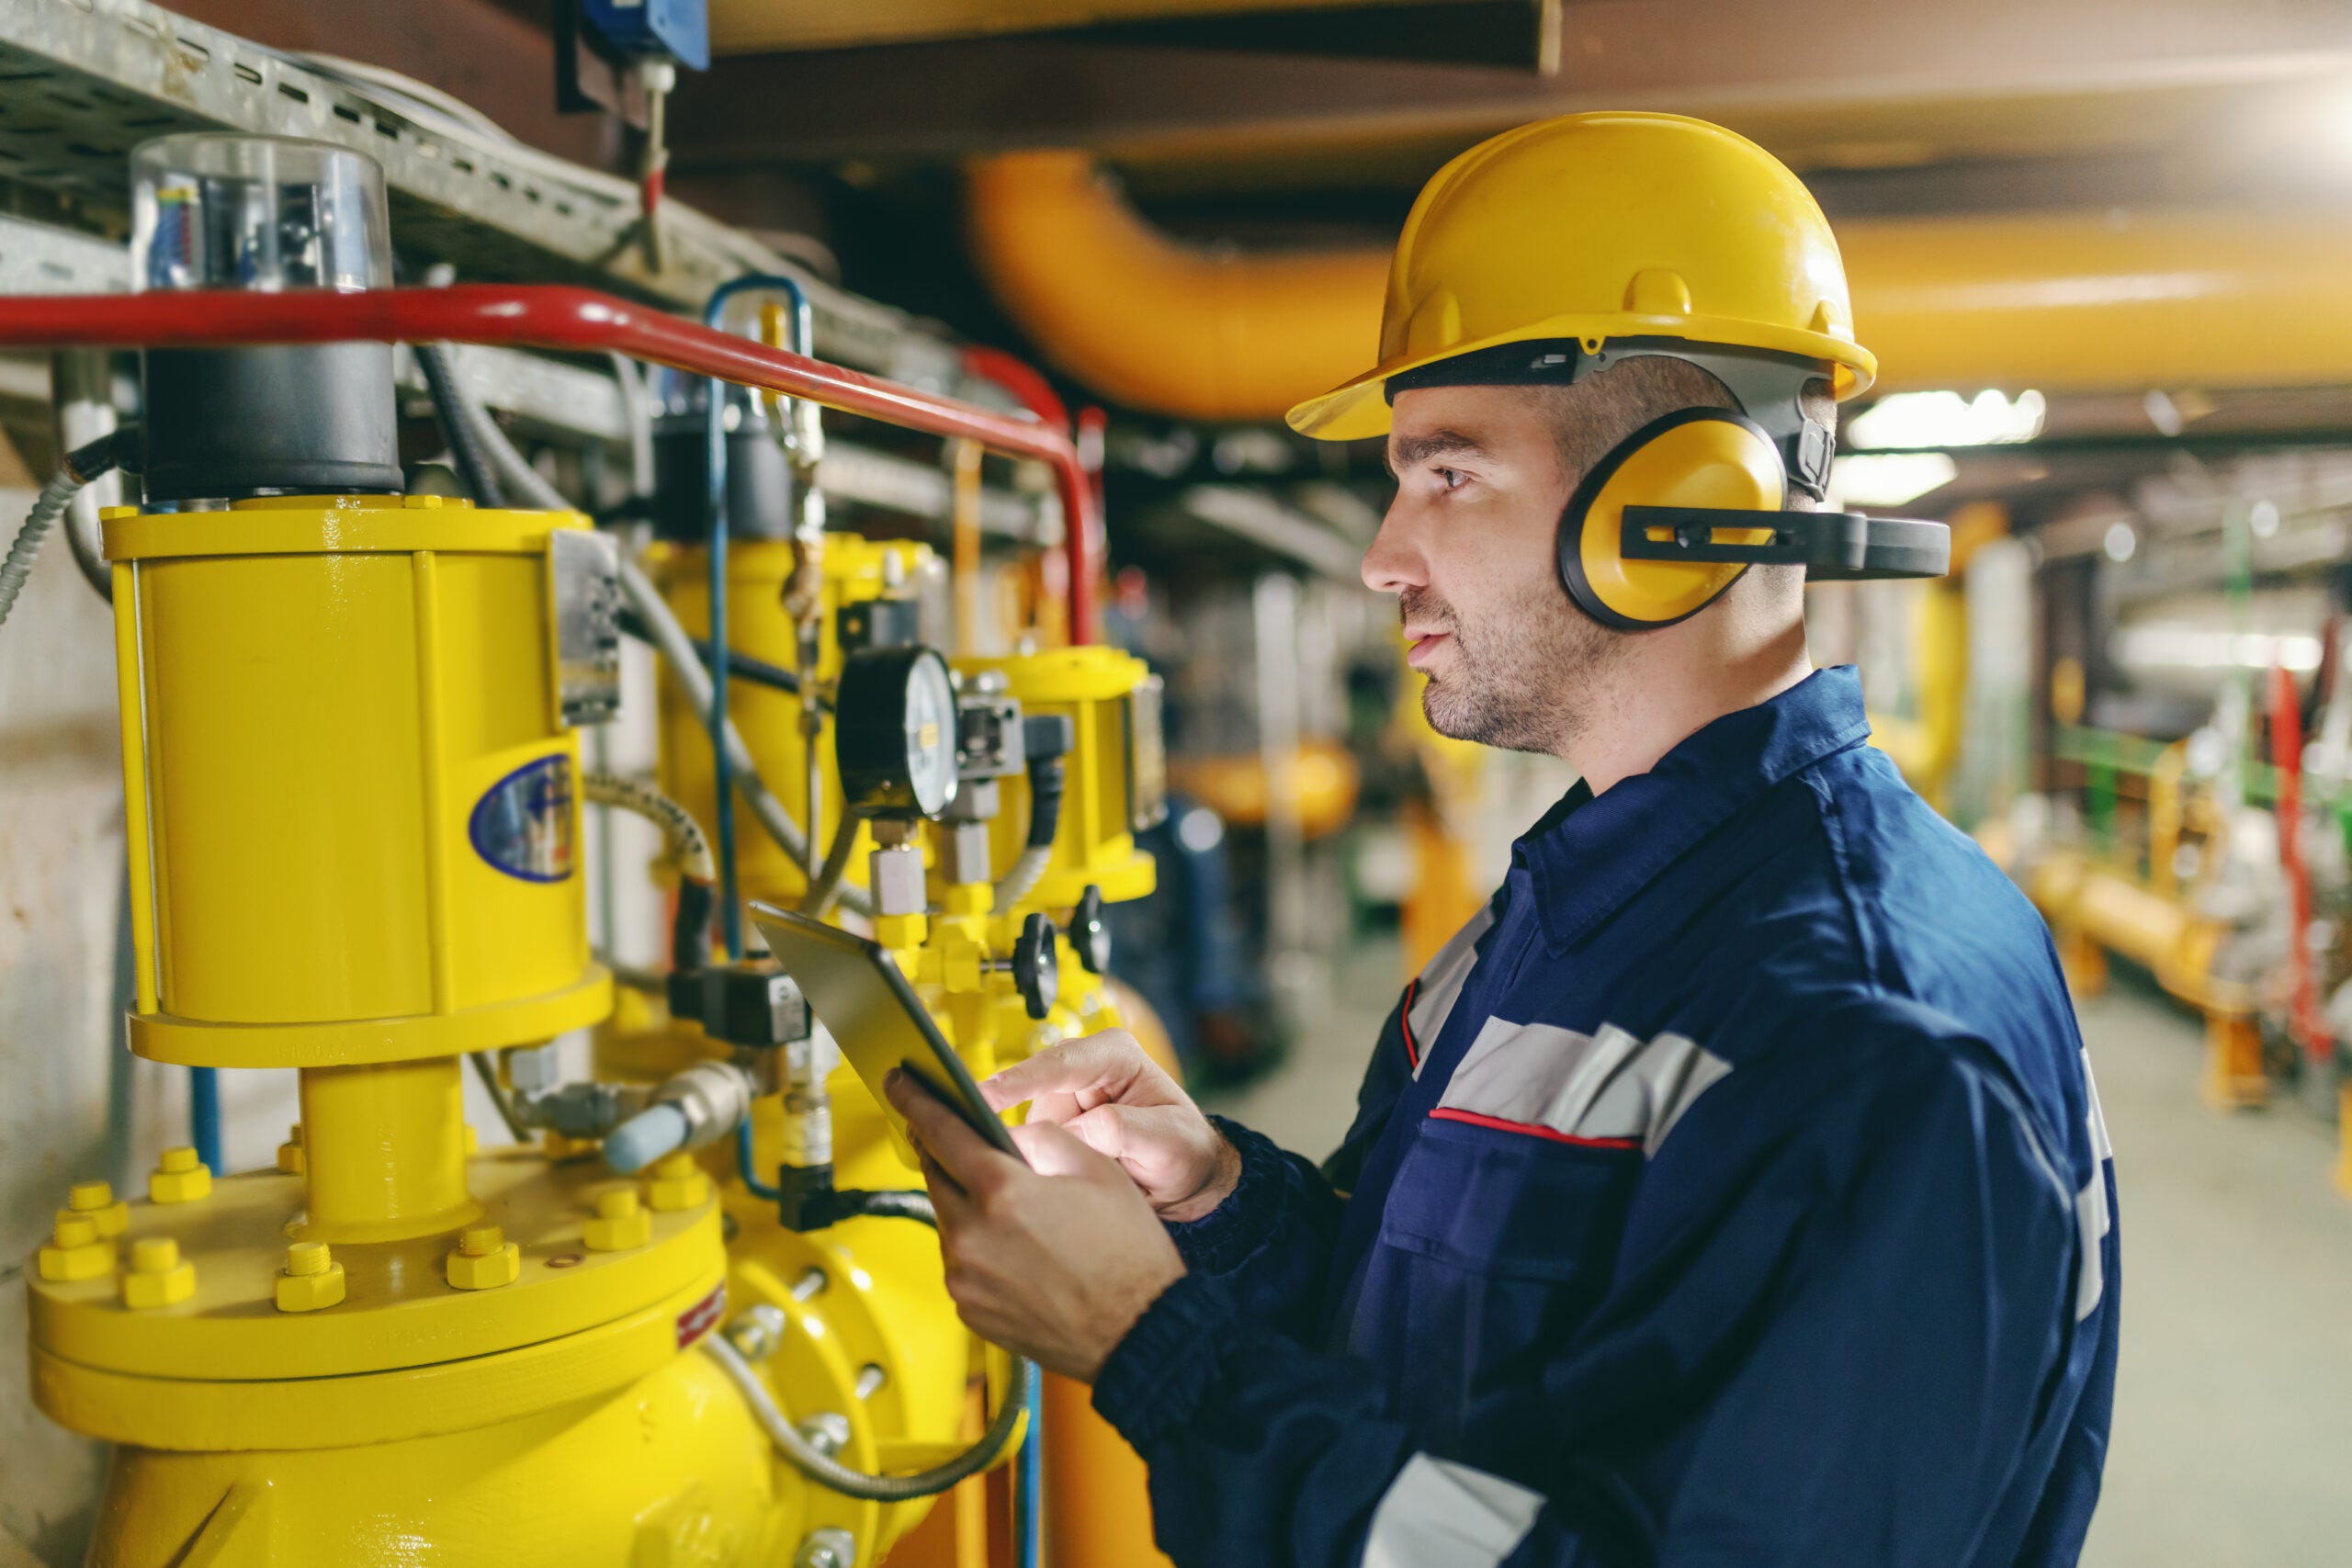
[(1711, 458)]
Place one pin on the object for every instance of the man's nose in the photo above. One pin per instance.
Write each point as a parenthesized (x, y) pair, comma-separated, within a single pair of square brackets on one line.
[(1394, 562)]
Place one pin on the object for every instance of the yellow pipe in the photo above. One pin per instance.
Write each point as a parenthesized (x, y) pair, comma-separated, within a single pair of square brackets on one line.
[(384, 1150), (2052, 300)]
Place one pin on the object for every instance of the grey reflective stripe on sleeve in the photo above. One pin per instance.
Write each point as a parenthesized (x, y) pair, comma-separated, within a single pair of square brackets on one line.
[(1438, 1514), (1611, 1085), (2090, 1204), (1440, 982)]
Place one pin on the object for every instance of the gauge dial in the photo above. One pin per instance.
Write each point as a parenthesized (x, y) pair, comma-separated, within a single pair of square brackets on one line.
[(895, 740)]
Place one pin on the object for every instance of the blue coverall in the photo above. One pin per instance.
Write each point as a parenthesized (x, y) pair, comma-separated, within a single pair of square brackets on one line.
[(1733, 1190)]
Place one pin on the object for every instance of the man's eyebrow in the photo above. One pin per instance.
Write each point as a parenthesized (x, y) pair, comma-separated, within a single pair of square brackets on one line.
[(1405, 452)]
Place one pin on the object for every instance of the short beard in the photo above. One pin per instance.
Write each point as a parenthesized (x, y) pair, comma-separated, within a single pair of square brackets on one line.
[(1523, 679)]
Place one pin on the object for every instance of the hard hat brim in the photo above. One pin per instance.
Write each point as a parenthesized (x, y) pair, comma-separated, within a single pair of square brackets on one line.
[(1358, 410)]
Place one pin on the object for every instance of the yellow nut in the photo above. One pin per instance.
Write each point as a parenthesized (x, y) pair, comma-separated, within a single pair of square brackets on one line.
[(159, 1276), (678, 1183), (620, 1223), (290, 1157), (178, 1177), (901, 930), (312, 1279), (75, 1251), (484, 1258), (473, 1140), (97, 1199)]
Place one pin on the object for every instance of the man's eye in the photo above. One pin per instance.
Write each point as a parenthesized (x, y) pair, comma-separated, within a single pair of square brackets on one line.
[(1452, 478)]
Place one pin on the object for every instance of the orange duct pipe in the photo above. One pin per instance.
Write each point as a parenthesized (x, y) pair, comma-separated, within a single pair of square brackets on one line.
[(2052, 300)]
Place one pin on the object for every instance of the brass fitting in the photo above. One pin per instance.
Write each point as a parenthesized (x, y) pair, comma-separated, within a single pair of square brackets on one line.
[(76, 1250), (290, 1157), (95, 1201), (178, 1177), (621, 1222), (159, 1276), (678, 1183), (484, 1259), (312, 1279)]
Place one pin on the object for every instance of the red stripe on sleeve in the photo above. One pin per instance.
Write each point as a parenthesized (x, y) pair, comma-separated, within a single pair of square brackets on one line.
[(1448, 1113)]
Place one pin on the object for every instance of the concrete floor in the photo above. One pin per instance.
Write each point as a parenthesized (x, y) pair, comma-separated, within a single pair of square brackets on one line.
[(2233, 1442)]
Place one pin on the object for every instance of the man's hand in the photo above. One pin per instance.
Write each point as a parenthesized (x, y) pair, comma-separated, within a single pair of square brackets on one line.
[(1055, 1260), (1105, 1091)]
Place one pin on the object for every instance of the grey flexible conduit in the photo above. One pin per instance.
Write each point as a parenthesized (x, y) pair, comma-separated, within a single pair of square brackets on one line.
[(826, 1470), (81, 466)]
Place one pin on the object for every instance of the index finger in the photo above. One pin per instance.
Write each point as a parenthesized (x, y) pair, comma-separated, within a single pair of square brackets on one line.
[(1067, 1078), (963, 1155)]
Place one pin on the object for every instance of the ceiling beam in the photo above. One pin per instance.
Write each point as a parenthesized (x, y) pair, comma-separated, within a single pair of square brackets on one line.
[(1809, 65)]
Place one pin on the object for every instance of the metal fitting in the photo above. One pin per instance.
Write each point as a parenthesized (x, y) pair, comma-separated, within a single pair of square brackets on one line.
[(895, 874), (580, 1109), (689, 1111), (678, 1183), (827, 1549), (95, 1201), (621, 1222), (484, 1259), (159, 1276), (827, 1432), (312, 1279), (759, 1332), (178, 1177), (76, 1250)]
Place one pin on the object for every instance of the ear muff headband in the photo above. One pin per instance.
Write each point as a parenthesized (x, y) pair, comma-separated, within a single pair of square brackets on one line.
[(1699, 459)]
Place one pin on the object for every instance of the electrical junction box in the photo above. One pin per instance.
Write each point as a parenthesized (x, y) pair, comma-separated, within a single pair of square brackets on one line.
[(639, 29)]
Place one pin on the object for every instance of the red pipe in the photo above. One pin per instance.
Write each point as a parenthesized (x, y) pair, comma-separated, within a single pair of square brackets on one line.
[(2305, 1021), (555, 317)]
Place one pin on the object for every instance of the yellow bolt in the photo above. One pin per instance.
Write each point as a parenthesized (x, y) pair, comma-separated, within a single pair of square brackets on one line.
[(290, 1159), (484, 1258), (159, 1276), (678, 1183), (620, 1223), (97, 1199), (178, 1177), (312, 1279), (76, 1250), (473, 1140)]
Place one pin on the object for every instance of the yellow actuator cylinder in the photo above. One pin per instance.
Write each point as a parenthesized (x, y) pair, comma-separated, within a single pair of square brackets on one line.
[(857, 572), (352, 806), (384, 1151)]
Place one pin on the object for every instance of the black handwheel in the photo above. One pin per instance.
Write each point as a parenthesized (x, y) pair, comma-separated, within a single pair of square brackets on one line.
[(1090, 933), (1035, 967)]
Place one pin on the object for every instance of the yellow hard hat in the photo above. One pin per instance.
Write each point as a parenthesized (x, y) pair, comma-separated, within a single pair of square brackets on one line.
[(1606, 226)]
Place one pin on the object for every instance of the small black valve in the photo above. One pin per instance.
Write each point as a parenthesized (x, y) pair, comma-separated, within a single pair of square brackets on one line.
[(1090, 933), (1035, 966)]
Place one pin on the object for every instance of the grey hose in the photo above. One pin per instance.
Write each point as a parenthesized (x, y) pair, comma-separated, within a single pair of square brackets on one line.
[(459, 428), (81, 466), (826, 887), (1014, 884), (826, 1470), (681, 834), (686, 669)]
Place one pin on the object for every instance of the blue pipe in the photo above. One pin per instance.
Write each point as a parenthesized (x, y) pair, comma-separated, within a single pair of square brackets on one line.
[(1029, 1495), (752, 1183), (730, 905), (204, 1115)]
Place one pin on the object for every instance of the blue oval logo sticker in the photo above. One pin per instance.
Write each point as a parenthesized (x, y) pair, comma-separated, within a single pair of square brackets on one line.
[(523, 824)]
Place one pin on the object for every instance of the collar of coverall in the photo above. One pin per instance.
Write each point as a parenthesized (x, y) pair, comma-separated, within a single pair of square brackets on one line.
[(1590, 854)]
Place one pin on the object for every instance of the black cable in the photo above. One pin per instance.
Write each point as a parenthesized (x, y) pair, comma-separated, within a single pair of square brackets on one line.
[(690, 931), (892, 1204), (465, 443), (739, 666)]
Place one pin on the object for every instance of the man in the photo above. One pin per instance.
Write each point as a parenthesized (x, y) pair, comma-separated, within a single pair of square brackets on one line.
[(1732, 1190)]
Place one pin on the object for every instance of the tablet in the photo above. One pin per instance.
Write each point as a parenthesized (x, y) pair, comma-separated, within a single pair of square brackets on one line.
[(853, 987)]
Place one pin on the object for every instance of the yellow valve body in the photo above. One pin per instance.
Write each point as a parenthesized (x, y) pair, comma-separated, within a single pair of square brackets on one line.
[(1095, 843), (353, 814), (757, 572)]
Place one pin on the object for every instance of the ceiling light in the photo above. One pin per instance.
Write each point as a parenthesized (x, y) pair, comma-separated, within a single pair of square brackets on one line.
[(1947, 419), (2264, 519), (1889, 478), (2123, 543)]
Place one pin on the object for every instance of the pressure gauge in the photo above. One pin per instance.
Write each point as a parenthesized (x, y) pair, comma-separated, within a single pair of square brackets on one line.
[(895, 732)]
